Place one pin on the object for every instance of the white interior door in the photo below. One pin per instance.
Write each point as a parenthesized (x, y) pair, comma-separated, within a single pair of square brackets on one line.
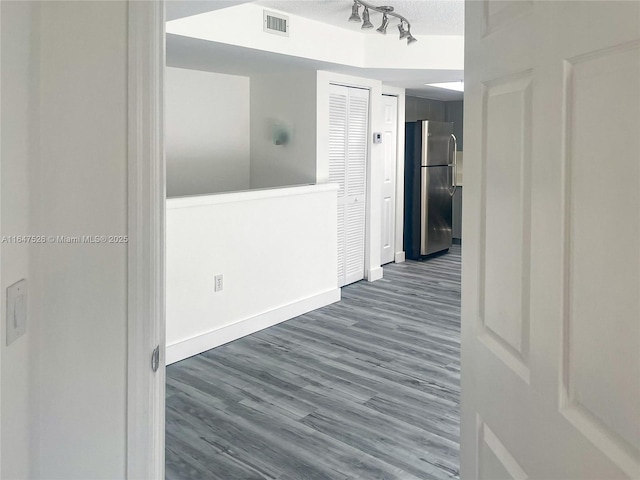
[(348, 133), (551, 257), (390, 145)]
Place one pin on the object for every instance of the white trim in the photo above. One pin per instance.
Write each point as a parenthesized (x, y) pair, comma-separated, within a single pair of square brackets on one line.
[(400, 257), (2, 296), (374, 274), (248, 195), (214, 338), (146, 204), (399, 239)]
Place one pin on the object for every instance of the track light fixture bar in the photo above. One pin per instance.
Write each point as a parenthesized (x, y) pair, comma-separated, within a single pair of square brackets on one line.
[(386, 11)]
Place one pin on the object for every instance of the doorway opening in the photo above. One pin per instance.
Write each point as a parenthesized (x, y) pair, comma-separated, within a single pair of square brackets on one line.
[(268, 359)]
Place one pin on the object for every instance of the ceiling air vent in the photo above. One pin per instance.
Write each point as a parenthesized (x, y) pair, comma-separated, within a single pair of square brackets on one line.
[(276, 23)]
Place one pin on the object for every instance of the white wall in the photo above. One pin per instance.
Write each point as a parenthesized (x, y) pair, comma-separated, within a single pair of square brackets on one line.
[(288, 99), (275, 248), (206, 132), (81, 304), (19, 57), (63, 171)]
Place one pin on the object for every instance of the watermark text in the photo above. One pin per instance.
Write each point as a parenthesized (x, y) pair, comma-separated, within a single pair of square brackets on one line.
[(64, 239)]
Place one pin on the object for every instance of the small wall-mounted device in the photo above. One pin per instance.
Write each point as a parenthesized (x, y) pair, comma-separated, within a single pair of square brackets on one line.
[(377, 137)]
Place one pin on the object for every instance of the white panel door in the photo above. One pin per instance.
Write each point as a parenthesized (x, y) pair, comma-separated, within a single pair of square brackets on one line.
[(348, 134), (390, 153), (551, 258)]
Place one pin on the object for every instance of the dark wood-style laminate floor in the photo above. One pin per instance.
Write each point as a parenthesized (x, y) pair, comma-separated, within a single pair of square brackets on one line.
[(367, 388)]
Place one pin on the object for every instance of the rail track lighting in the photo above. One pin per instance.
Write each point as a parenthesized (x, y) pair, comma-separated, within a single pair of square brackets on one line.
[(386, 12)]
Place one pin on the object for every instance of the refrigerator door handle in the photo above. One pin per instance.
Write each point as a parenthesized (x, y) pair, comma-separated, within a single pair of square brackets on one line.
[(424, 209), (454, 165)]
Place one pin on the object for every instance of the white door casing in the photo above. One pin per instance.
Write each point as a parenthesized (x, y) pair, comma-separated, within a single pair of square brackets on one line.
[(348, 134), (389, 145), (146, 231), (2, 299), (551, 258)]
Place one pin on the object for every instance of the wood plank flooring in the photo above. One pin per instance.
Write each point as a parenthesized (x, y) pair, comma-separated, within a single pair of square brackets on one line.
[(367, 388)]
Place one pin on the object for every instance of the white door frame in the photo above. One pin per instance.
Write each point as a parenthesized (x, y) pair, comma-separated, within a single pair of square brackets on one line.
[(2, 298), (398, 92), (146, 213)]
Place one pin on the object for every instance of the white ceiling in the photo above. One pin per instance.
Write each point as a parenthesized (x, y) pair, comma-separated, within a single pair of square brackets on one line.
[(186, 8), (197, 54), (435, 17), (427, 17)]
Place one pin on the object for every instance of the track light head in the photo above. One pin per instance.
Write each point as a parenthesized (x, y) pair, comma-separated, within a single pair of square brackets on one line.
[(411, 39), (403, 33), (366, 23), (355, 16), (383, 28)]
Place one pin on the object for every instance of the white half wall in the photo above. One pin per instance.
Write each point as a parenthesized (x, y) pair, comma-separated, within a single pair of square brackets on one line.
[(206, 132), (283, 101), (275, 248)]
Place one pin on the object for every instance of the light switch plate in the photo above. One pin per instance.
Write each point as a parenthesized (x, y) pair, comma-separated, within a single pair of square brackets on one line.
[(16, 311), (217, 283)]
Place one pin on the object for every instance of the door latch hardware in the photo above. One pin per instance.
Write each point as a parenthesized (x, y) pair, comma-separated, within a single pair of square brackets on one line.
[(155, 359)]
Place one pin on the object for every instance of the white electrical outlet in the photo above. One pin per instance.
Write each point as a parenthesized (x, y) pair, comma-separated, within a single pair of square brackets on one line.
[(217, 283), (16, 310)]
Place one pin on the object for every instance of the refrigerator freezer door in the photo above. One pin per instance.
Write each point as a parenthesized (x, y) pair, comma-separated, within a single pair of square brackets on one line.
[(435, 209), (435, 143)]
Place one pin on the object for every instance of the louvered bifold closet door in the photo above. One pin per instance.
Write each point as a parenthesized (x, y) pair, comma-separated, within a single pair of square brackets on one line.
[(348, 133), (338, 97)]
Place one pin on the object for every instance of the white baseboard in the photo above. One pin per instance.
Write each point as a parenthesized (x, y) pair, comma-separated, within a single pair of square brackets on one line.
[(206, 341), (374, 274), (400, 257)]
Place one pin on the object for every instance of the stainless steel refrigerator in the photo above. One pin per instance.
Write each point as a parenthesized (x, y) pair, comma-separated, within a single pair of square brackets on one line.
[(430, 176)]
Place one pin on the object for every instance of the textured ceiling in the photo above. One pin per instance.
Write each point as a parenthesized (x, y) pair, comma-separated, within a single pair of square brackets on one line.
[(427, 17)]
